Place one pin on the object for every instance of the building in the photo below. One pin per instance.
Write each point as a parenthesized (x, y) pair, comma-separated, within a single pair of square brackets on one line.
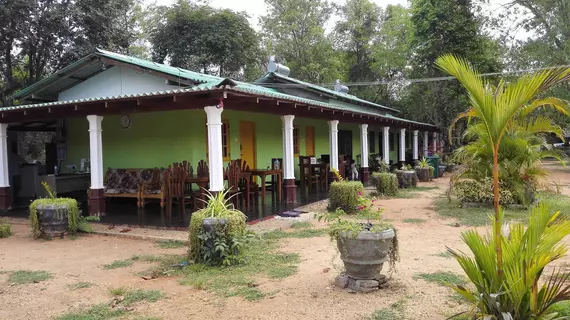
[(124, 112)]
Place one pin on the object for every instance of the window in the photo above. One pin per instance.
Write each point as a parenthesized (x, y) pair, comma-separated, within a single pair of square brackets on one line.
[(226, 154), (391, 138), (296, 148), (371, 142)]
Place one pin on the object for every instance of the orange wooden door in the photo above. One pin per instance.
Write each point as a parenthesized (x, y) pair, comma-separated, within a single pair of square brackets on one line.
[(310, 141), (247, 143)]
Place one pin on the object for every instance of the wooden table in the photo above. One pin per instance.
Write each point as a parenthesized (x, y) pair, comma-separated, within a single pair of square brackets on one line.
[(263, 173)]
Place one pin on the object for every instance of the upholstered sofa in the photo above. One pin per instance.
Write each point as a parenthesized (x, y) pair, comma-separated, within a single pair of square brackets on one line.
[(135, 183)]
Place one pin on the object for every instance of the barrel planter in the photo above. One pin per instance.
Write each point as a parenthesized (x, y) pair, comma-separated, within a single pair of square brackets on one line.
[(423, 174), (53, 219), (365, 254)]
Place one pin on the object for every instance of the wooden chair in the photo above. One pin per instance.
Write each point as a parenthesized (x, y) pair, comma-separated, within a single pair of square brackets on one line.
[(156, 188), (324, 176), (273, 178), (308, 177), (177, 186), (233, 173), (342, 166), (202, 169), (253, 187)]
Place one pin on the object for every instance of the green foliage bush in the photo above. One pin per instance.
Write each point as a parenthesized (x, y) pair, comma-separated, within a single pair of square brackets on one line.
[(385, 183), (228, 239), (406, 179), (481, 191), (344, 195), (5, 229)]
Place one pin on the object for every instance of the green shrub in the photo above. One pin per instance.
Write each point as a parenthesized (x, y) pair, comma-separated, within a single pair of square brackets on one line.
[(344, 195), (385, 183), (224, 244), (407, 178), (481, 191), (5, 229)]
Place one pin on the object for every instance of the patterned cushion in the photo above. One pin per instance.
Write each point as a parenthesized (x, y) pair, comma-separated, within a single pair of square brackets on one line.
[(112, 190), (145, 175), (129, 182), (113, 181)]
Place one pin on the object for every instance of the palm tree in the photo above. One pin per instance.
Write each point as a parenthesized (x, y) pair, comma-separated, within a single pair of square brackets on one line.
[(498, 109)]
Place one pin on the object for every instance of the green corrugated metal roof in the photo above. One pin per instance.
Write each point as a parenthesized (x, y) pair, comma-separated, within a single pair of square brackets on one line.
[(240, 87), (204, 83), (342, 95)]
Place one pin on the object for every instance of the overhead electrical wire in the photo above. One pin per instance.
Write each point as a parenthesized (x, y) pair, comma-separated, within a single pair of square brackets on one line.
[(407, 81)]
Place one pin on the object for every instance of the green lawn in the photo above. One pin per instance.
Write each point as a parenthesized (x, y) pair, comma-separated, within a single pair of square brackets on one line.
[(480, 216)]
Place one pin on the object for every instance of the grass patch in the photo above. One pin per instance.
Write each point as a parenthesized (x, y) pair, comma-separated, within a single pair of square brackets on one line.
[(119, 291), (80, 285), (301, 225), (26, 276), (474, 217), (442, 278), (96, 312), (480, 216), (171, 244), (142, 295), (555, 201), (444, 254), (5, 229), (300, 233), (413, 220), (409, 193), (262, 260), (385, 314), (118, 264), (563, 309)]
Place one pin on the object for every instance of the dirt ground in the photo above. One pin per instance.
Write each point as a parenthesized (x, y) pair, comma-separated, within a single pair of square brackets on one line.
[(309, 294)]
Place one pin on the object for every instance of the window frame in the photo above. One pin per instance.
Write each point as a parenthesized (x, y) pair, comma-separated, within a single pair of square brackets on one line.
[(296, 142)]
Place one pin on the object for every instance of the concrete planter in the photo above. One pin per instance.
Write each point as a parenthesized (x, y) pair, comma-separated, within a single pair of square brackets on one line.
[(53, 219), (423, 174), (365, 254)]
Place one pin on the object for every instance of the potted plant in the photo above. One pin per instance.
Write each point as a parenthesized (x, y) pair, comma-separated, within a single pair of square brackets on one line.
[(217, 232), (407, 177), (424, 170), (364, 241), (54, 216)]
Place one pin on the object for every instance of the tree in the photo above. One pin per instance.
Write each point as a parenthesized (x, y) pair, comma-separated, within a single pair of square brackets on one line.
[(294, 32), (498, 110), (441, 27), (198, 37)]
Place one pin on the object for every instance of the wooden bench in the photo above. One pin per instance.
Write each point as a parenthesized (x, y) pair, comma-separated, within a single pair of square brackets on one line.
[(134, 183)]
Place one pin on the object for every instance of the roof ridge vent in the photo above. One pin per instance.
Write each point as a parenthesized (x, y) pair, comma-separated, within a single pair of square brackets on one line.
[(273, 66), (338, 87)]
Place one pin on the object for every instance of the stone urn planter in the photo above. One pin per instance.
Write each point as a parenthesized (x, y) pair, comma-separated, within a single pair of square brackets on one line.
[(407, 178), (365, 254), (424, 174), (53, 219)]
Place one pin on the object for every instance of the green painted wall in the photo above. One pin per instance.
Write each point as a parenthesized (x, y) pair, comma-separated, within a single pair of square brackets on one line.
[(159, 138)]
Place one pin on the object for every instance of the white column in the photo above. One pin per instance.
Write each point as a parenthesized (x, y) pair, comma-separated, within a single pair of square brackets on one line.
[(402, 145), (333, 143), (96, 151), (364, 145), (4, 173), (215, 154), (434, 142), (415, 146), (288, 152), (386, 144), (426, 143)]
